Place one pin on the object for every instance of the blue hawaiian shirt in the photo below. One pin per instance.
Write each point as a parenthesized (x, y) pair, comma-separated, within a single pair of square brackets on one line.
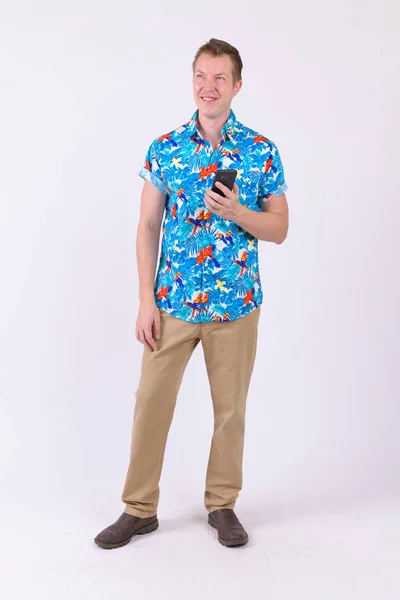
[(208, 268)]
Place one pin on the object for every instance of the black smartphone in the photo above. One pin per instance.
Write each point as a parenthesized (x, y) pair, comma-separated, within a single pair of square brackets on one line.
[(225, 176)]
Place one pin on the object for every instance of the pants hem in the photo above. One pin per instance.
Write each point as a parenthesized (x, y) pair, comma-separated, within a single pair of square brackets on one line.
[(143, 514), (212, 508)]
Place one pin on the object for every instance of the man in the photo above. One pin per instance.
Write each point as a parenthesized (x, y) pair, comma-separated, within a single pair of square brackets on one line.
[(207, 288)]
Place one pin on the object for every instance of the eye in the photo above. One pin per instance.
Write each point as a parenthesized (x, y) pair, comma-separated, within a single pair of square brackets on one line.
[(220, 77)]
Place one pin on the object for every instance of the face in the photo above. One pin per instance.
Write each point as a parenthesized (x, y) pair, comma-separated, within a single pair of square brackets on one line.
[(213, 86)]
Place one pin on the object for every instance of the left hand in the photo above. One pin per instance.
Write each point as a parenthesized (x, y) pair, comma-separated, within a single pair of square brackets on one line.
[(228, 207)]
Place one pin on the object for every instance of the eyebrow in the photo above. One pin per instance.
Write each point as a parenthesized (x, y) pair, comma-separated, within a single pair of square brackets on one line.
[(202, 72)]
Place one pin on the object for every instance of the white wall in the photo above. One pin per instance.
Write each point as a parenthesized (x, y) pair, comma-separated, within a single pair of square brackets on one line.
[(85, 87)]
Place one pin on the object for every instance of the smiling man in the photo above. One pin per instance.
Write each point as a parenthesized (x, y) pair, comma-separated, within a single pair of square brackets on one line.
[(206, 289)]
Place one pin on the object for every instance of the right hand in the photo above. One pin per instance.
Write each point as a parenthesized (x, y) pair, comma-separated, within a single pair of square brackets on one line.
[(148, 325)]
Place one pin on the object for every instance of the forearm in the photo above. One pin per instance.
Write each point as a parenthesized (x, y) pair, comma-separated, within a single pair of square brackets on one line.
[(266, 226), (147, 242)]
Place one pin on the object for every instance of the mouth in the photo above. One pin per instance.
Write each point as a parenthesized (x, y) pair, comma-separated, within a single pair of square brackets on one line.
[(208, 99)]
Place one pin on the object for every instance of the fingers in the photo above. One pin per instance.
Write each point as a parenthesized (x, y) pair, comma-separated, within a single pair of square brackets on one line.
[(225, 190), (144, 336), (148, 335), (221, 205), (214, 201), (157, 327), (212, 204), (215, 196)]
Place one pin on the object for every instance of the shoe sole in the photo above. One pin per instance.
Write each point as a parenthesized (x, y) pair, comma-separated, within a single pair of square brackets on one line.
[(147, 529), (229, 544)]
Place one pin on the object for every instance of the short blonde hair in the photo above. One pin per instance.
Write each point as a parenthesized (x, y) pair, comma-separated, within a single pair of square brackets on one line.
[(216, 47)]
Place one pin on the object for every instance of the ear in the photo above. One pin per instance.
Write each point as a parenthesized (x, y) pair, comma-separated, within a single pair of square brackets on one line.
[(237, 87)]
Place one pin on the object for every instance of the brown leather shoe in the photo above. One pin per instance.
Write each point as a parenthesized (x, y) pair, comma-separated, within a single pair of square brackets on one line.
[(122, 531), (230, 530)]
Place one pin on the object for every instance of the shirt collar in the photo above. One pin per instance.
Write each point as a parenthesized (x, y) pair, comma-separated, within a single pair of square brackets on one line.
[(227, 132)]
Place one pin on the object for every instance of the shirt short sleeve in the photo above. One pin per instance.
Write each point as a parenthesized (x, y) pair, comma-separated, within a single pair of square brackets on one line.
[(273, 176), (151, 169)]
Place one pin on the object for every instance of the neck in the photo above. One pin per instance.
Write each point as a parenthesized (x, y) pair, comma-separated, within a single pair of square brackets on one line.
[(210, 128)]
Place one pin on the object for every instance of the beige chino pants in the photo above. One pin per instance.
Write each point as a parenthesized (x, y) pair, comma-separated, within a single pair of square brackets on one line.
[(229, 351)]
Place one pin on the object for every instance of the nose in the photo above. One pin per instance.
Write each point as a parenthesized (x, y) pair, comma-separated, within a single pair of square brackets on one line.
[(208, 83)]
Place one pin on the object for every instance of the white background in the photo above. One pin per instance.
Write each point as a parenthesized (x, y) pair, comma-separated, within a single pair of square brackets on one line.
[(85, 87)]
